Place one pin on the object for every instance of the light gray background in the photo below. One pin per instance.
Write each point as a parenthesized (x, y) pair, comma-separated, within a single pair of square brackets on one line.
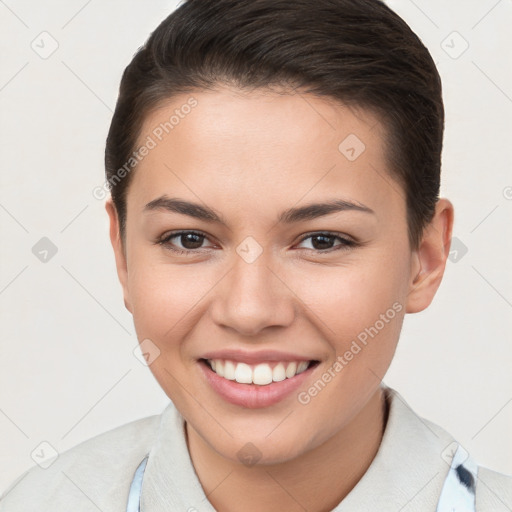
[(67, 368)]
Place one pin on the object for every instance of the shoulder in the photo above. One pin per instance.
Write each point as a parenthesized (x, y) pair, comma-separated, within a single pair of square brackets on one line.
[(431, 445), (493, 491), (95, 474)]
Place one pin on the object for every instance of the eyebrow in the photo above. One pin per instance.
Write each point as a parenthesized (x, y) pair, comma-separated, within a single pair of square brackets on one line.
[(289, 216)]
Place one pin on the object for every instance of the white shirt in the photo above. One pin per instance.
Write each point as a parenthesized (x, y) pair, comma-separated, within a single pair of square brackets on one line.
[(407, 474)]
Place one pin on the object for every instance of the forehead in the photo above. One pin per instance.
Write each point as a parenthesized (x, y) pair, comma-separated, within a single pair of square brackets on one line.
[(234, 116), (262, 148)]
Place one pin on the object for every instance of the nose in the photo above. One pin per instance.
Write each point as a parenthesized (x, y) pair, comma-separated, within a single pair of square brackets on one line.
[(252, 297)]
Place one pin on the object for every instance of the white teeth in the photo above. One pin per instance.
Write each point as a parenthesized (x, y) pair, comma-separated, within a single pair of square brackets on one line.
[(261, 374), (243, 373), (278, 373), (291, 370), (302, 366), (229, 370)]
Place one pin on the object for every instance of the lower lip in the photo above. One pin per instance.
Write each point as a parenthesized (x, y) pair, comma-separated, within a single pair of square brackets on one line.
[(253, 396)]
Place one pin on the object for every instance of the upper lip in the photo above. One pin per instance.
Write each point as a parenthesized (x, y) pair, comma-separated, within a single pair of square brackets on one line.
[(254, 357)]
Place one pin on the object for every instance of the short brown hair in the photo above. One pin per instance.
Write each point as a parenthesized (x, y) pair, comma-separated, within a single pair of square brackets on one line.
[(358, 52)]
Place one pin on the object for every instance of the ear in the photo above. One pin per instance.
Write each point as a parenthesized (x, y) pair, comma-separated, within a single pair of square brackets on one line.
[(429, 260), (119, 253)]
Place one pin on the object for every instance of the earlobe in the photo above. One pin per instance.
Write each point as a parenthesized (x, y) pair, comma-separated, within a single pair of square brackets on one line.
[(119, 252), (429, 262)]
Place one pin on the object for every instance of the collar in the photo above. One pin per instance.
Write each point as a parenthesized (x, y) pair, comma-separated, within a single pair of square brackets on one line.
[(407, 474)]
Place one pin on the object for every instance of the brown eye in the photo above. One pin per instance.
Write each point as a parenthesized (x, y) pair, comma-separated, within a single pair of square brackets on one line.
[(325, 242), (191, 240), (183, 241)]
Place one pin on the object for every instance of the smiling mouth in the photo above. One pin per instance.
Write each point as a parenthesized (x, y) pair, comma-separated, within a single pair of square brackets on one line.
[(260, 374)]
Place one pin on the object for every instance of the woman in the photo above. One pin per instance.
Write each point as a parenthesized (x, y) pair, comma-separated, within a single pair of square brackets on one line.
[(274, 169)]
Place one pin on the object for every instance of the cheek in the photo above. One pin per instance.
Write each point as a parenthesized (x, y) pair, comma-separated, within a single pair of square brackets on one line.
[(162, 296), (351, 297), (359, 309), (169, 301)]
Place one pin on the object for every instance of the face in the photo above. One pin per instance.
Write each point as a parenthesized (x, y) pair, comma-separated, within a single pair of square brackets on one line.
[(268, 320)]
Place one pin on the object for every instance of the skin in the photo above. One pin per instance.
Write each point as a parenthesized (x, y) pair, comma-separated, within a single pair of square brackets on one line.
[(249, 156)]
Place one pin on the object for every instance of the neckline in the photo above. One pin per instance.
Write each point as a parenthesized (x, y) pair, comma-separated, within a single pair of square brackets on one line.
[(407, 462)]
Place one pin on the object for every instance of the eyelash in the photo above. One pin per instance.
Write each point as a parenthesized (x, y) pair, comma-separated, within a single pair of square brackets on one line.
[(344, 245)]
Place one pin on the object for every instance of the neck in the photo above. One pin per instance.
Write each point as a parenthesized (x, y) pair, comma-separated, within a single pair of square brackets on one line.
[(317, 480)]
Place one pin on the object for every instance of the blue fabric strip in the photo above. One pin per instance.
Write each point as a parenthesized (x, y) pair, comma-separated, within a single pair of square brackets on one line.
[(136, 487), (459, 489)]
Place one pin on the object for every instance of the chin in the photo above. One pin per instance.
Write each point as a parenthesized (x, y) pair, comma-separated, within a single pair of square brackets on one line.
[(261, 450)]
